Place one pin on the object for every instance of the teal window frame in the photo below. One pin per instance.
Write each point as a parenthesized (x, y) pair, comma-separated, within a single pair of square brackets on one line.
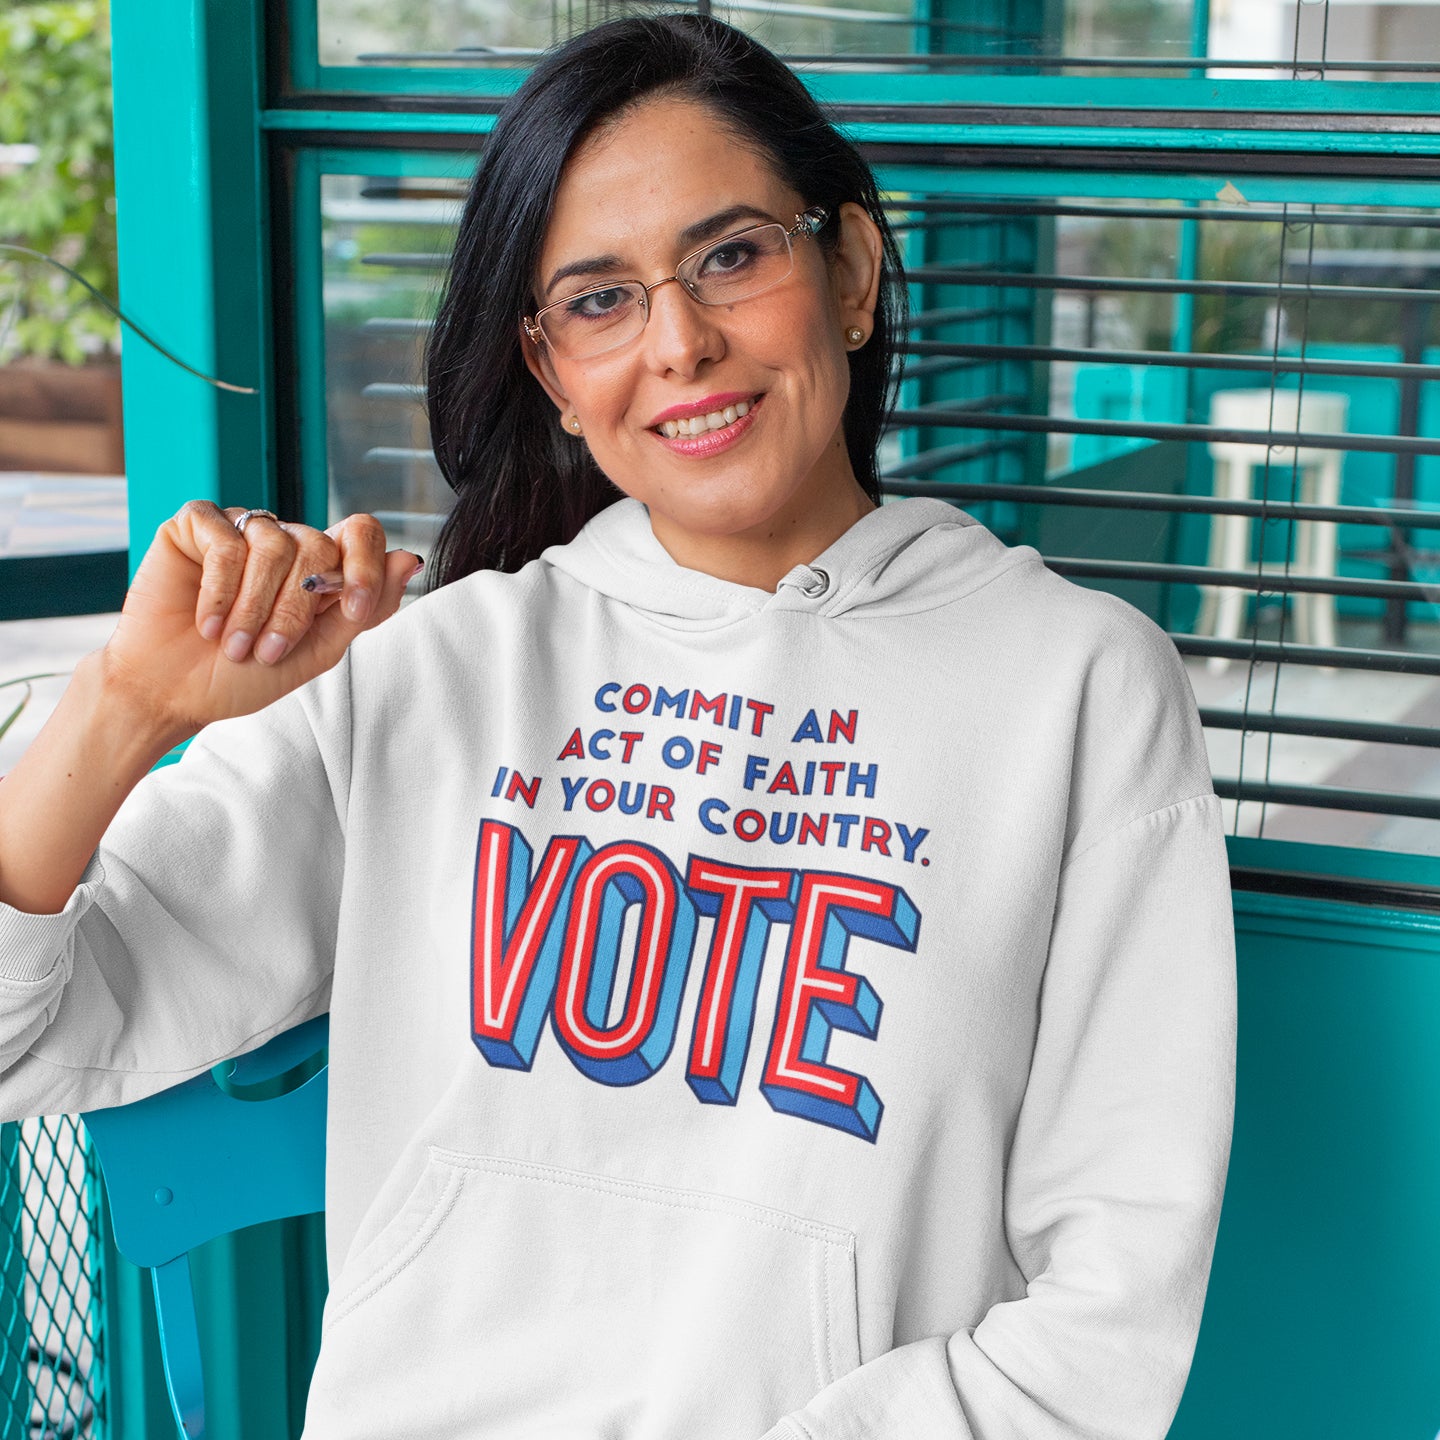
[(304, 75)]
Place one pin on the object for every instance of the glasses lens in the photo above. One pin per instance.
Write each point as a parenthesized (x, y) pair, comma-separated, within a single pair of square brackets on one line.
[(738, 266), (594, 321)]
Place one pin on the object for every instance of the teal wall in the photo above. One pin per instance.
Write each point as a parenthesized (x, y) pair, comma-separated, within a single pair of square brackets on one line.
[(1323, 1316)]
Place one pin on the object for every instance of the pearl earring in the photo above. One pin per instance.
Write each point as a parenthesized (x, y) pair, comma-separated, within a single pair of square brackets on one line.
[(573, 423), (855, 335)]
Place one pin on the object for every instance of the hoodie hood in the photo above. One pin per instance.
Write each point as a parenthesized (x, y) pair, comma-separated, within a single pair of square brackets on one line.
[(908, 555)]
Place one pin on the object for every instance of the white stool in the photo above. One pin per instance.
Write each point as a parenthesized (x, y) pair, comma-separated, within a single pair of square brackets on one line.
[(1283, 412)]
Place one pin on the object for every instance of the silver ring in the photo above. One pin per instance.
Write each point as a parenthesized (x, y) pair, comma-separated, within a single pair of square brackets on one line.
[(241, 521)]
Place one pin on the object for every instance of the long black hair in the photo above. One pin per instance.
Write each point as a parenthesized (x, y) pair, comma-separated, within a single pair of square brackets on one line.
[(521, 484)]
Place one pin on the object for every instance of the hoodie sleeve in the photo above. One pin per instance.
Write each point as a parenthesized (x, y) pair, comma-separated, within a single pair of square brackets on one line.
[(1115, 1176), (204, 923)]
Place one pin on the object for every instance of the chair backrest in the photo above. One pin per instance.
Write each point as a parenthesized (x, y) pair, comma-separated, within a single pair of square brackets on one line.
[(200, 1160), (1281, 412)]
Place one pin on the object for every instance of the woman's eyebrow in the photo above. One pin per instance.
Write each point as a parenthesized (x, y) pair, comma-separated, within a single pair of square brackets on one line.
[(697, 234), (719, 223)]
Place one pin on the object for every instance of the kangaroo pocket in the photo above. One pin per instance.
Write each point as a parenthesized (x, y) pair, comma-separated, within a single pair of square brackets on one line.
[(520, 1300)]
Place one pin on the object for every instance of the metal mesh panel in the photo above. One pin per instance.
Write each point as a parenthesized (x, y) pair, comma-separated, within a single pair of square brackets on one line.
[(52, 1374)]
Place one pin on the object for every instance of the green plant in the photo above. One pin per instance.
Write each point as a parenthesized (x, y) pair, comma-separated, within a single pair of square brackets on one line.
[(55, 95), (7, 721)]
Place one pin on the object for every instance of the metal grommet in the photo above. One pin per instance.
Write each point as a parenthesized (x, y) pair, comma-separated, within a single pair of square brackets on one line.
[(241, 521), (817, 584)]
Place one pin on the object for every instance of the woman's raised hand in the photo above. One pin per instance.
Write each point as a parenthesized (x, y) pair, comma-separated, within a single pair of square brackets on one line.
[(216, 623)]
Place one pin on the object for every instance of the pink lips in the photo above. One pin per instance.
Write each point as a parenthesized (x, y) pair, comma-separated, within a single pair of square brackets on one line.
[(699, 447), (707, 406)]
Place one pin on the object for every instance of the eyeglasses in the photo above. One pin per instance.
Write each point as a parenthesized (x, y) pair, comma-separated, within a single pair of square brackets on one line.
[(739, 267)]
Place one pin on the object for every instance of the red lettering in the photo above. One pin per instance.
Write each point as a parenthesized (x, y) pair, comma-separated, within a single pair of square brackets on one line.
[(714, 708), (784, 781), (744, 902), (636, 1045), (510, 997), (527, 790)]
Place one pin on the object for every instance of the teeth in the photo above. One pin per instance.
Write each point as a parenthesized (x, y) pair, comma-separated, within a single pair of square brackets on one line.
[(703, 424)]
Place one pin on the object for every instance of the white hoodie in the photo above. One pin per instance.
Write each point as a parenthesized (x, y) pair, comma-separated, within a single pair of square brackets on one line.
[(806, 1015)]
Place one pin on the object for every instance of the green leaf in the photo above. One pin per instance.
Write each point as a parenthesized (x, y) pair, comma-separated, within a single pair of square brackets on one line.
[(15, 714), (56, 94)]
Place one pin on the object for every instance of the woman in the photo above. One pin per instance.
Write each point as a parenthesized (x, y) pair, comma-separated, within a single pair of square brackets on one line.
[(867, 877)]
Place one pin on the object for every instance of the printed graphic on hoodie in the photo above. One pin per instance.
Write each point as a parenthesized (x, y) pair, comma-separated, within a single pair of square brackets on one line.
[(547, 933)]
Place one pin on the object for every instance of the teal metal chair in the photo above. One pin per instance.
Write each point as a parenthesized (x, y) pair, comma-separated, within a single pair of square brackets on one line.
[(205, 1158)]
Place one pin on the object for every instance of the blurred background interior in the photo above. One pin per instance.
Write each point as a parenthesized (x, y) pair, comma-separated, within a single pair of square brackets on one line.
[(1174, 266)]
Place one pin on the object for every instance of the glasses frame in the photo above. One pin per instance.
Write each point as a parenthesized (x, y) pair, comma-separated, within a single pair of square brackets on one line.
[(808, 222)]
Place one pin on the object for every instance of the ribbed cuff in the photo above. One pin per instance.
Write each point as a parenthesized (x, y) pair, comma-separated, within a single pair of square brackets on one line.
[(787, 1429), (31, 946)]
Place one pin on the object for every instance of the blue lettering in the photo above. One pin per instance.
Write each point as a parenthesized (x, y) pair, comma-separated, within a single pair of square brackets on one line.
[(707, 809), (861, 779)]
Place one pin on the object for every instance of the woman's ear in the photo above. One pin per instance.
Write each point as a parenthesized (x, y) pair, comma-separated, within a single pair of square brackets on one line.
[(537, 361), (855, 268)]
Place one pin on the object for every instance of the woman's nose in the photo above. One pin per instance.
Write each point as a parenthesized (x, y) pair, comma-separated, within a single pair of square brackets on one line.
[(681, 333)]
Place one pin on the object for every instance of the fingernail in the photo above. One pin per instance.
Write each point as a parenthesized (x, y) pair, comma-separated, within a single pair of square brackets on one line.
[(270, 649), (419, 563), (211, 626), (238, 644), (356, 604)]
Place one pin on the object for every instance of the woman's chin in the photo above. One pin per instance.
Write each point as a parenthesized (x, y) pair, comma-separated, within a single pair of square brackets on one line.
[(718, 518)]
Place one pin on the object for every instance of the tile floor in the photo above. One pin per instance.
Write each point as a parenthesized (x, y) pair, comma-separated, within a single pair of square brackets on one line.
[(40, 514)]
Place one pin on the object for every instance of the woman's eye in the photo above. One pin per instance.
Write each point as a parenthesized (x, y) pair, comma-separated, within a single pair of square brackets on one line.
[(731, 256), (598, 304)]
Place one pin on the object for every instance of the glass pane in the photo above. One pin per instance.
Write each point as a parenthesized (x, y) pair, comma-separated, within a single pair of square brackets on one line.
[(1159, 355), (1258, 39), (385, 243)]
